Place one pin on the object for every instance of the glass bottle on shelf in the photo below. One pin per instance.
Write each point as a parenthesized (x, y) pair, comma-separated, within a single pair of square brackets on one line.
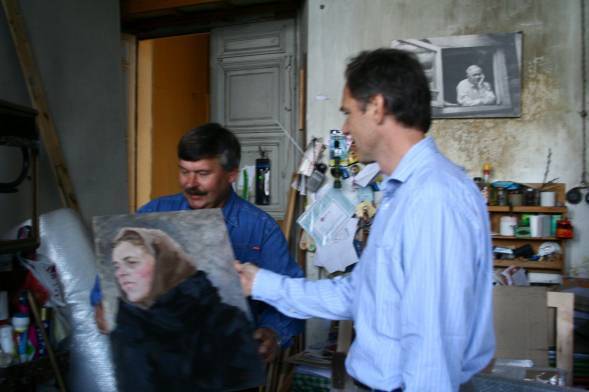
[(486, 188)]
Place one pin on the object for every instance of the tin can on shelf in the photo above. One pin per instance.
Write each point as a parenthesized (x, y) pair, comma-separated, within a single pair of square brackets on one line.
[(515, 198), (531, 197), (501, 195)]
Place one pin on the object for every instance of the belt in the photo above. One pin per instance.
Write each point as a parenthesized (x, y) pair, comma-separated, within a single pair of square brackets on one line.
[(466, 387), (364, 387)]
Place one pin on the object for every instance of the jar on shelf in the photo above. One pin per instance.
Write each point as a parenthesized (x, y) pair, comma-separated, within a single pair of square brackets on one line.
[(501, 196), (531, 197), (564, 229), (515, 198)]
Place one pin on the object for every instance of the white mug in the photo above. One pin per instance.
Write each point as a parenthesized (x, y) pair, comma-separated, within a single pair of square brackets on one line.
[(507, 226), (547, 199)]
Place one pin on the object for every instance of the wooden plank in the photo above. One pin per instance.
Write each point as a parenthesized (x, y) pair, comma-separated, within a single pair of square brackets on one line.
[(129, 65), (344, 335), (537, 265), (290, 209), (564, 304), (529, 209), (144, 122), (511, 238), (34, 83), (134, 7)]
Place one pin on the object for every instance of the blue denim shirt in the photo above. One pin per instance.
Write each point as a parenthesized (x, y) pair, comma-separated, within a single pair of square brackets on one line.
[(256, 238)]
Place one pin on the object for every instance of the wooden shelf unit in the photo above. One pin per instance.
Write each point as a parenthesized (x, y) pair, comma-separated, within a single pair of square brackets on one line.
[(496, 212), (554, 265), (529, 209)]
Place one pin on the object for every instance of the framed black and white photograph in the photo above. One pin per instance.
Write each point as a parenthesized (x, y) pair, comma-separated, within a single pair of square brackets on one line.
[(471, 76)]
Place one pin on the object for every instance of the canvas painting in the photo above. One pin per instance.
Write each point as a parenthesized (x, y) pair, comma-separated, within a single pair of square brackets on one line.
[(172, 303), (471, 76)]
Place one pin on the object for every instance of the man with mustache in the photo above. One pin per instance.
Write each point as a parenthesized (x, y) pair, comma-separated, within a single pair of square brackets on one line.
[(208, 162)]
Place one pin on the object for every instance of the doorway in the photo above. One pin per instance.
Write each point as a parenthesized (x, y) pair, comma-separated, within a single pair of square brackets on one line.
[(175, 76), (172, 97)]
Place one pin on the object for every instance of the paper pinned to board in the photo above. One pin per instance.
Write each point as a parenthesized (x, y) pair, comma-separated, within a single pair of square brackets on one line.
[(339, 253), (311, 156), (327, 216)]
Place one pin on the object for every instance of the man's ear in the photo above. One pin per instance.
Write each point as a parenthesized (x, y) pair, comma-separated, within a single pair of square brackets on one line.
[(232, 175), (378, 108)]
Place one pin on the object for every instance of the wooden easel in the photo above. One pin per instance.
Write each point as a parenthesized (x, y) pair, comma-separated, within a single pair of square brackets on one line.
[(32, 77)]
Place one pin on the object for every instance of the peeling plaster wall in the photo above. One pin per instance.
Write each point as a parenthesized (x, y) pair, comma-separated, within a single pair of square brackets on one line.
[(551, 83)]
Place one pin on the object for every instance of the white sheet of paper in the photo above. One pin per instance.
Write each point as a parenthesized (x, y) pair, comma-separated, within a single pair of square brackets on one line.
[(367, 174), (339, 253), (326, 216)]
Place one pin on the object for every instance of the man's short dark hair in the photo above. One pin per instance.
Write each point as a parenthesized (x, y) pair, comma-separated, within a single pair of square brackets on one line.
[(211, 141), (399, 78)]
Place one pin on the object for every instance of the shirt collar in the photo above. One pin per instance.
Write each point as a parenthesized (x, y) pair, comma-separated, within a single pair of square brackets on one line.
[(410, 162), (230, 209)]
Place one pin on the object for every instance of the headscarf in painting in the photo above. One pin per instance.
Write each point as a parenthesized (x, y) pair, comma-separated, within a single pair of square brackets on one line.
[(172, 264)]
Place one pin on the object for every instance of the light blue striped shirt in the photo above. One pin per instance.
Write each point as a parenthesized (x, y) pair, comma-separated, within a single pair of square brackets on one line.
[(421, 294)]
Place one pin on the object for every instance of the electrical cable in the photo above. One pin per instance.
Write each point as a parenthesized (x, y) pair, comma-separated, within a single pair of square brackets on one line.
[(583, 112)]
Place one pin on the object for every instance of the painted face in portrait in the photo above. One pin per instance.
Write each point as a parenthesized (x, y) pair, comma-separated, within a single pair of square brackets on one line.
[(134, 270)]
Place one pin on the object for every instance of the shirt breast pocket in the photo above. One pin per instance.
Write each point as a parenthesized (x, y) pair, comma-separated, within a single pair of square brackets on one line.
[(247, 253), (387, 301)]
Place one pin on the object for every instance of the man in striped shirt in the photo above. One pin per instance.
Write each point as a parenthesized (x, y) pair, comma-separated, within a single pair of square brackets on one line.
[(421, 294)]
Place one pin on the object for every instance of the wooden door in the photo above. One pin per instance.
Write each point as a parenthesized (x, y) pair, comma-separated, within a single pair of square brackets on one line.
[(173, 97), (253, 83)]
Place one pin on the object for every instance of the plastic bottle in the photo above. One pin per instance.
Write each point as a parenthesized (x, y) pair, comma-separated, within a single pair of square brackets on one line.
[(7, 339), (20, 323), (245, 185), (486, 184), (262, 179)]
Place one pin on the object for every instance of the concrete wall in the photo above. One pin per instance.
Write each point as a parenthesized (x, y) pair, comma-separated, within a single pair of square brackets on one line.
[(551, 78), (77, 47)]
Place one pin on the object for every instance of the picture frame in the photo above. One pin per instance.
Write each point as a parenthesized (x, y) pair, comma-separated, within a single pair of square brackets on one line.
[(471, 76)]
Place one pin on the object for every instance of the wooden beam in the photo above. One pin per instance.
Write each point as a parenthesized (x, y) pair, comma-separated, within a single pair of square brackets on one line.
[(164, 24), (290, 209), (129, 68), (135, 7), (565, 307), (45, 123), (144, 136)]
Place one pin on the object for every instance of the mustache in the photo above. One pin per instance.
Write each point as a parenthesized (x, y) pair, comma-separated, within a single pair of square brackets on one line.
[(194, 191)]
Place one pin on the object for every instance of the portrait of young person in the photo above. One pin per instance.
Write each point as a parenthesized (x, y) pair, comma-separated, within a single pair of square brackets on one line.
[(208, 164), (173, 331)]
